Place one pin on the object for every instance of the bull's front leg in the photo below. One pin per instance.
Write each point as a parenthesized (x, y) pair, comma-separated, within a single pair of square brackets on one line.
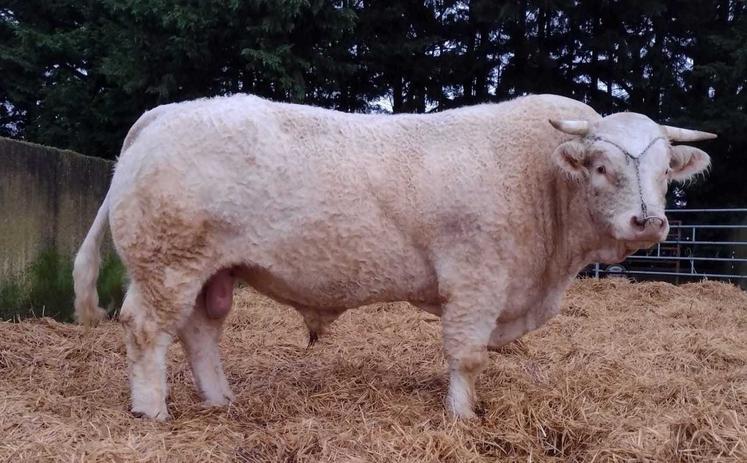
[(468, 319)]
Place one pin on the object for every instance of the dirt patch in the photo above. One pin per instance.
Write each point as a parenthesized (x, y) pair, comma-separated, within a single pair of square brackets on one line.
[(644, 372)]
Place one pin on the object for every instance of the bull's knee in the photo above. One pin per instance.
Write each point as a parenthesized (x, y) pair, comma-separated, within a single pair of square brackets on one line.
[(473, 361)]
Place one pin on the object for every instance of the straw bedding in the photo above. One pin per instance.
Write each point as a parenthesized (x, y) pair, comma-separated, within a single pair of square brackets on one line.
[(627, 372)]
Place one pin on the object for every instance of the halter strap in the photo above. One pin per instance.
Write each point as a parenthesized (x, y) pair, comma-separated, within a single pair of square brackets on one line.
[(637, 164)]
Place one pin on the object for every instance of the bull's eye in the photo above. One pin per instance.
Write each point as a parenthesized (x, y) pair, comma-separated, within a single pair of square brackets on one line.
[(602, 170)]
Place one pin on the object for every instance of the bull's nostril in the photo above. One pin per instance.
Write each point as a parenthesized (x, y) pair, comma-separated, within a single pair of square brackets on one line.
[(655, 222), (638, 222)]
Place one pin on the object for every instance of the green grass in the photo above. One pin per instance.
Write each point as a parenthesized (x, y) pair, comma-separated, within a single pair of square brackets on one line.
[(111, 285), (12, 295), (46, 288)]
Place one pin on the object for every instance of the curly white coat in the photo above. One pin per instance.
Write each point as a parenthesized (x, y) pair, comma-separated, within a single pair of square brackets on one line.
[(468, 214)]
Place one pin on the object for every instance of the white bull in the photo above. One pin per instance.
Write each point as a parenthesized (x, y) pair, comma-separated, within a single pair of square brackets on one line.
[(482, 215)]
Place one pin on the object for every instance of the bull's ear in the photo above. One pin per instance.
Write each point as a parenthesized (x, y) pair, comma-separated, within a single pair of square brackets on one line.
[(687, 161), (570, 158)]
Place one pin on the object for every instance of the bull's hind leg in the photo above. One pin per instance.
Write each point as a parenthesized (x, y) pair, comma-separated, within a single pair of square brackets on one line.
[(200, 336), (147, 343)]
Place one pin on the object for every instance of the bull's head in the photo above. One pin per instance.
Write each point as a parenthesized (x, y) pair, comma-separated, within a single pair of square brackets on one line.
[(625, 163)]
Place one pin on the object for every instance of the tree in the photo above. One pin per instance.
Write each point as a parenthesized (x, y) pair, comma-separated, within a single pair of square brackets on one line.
[(77, 74)]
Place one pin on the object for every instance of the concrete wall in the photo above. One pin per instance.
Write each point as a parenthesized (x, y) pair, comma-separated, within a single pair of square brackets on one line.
[(48, 198)]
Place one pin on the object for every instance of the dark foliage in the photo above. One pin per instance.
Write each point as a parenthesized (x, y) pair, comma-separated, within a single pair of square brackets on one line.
[(76, 74)]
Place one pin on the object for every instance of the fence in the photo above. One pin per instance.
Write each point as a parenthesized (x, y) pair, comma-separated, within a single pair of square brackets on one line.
[(48, 199), (702, 243)]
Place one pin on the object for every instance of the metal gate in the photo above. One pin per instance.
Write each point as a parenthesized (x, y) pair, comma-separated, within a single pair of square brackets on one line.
[(702, 244)]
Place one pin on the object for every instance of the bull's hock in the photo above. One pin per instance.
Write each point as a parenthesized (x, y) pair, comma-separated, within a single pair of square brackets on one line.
[(482, 215), (48, 199)]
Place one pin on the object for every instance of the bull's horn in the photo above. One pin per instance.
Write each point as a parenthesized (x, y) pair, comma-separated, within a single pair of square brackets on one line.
[(571, 126), (679, 134)]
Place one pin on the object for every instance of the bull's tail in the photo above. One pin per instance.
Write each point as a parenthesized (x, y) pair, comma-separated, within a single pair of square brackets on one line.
[(86, 270)]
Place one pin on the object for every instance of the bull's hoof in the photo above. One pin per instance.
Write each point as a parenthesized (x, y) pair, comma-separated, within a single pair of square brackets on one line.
[(464, 414), (460, 406), (219, 403), (208, 404), (157, 416), (92, 317)]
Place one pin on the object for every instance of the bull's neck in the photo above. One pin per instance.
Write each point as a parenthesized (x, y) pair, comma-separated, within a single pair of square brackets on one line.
[(572, 238)]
